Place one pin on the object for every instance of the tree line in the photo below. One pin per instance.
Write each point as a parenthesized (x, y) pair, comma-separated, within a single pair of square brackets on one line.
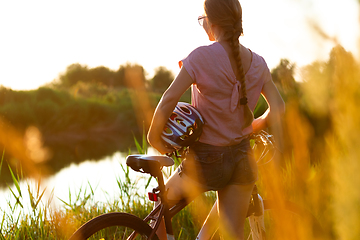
[(123, 77)]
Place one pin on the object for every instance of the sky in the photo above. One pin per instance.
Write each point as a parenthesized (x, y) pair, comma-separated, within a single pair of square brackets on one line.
[(40, 38)]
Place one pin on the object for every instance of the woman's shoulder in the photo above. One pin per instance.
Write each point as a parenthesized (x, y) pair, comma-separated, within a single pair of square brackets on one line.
[(259, 67), (257, 58), (206, 49), (257, 62), (206, 53)]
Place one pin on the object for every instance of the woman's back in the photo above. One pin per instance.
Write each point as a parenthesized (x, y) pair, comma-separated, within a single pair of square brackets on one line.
[(216, 91)]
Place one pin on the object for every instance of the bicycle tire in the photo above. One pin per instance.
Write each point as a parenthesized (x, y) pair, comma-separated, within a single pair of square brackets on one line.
[(107, 225), (294, 222)]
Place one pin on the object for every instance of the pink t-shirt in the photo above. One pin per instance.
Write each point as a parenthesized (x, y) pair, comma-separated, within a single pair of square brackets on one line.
[(216, 92)]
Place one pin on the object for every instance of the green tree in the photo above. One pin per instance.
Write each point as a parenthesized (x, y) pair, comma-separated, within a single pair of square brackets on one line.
[(74, 73), (119, 77), (162, 79), (129, 75), (283, 77), (102, 75)]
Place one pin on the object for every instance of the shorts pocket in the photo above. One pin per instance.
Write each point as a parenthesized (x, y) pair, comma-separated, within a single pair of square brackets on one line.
[(209, 168), (249, 166)]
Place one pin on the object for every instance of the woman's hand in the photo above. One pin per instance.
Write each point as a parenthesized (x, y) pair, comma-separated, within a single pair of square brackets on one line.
[(260, 123)]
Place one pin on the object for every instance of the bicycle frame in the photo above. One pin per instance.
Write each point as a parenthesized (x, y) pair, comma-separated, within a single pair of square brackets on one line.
[(164, 211), (161, 211)]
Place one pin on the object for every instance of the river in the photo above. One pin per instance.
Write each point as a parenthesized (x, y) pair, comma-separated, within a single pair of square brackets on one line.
[(99, 177)]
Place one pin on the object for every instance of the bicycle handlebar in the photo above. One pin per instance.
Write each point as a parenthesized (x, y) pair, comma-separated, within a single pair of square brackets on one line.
[(267, 141), (264, 138)]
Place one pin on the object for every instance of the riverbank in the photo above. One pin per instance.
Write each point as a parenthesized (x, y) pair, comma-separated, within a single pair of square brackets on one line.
[(66, 128)]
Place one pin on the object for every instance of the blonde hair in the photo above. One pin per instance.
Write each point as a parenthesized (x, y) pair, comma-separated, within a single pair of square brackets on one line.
[(227, 14)]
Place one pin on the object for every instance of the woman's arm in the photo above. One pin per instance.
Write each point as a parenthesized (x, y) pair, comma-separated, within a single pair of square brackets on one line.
[(165, 107), (276, 109)]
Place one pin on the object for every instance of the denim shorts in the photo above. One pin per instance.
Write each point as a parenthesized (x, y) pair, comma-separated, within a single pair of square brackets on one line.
[(214, 167)]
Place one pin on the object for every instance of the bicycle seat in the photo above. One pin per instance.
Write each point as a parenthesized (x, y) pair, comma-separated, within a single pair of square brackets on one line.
[(148, 164)]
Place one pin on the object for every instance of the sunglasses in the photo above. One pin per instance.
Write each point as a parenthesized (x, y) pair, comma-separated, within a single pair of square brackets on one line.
[(201, 20)]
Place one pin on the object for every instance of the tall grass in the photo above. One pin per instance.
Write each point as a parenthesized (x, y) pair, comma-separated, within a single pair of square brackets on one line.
[(321, 155)]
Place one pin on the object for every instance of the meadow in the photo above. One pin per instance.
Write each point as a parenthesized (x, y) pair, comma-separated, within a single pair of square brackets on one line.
[(318, 167)]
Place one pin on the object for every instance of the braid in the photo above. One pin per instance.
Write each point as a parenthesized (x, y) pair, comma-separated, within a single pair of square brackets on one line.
[(240, 75), (235, 45)]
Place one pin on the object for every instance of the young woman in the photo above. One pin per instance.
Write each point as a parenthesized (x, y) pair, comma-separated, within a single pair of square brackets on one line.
[(227, 80)]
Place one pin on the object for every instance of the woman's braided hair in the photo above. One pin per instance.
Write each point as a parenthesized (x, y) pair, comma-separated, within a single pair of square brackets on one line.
[(227, 14)]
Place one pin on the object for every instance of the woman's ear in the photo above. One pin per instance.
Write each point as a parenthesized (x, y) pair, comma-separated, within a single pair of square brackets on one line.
[(211, 35), (208, 27)]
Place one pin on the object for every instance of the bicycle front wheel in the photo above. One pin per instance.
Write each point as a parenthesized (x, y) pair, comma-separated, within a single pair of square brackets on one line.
[(114, 226), (283, 221)]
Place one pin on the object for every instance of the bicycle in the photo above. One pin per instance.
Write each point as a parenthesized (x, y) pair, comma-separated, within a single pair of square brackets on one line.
[(127, 226)]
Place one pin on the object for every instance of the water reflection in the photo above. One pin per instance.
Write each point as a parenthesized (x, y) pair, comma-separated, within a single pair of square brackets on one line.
[(100, 176), (97, 176)]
